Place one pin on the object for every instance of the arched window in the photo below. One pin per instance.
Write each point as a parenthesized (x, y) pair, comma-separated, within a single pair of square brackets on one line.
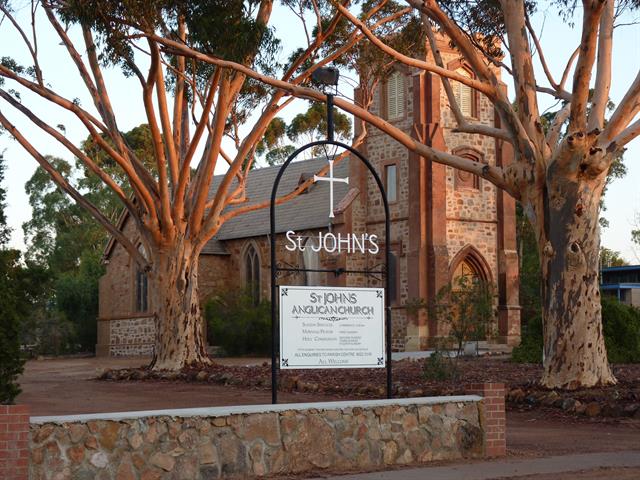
[(142, 285), (467, 271), (252, 273), (470, 265), (311, 260), (395, 96), (463, 94)]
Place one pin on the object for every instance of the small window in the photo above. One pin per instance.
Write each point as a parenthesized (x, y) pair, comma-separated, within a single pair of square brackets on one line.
[(463, 94), (395, 96), (252, 274), (391, 182), (142, 285)]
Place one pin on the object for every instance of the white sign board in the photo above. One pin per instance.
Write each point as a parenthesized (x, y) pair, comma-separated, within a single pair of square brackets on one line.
[(331, 327)]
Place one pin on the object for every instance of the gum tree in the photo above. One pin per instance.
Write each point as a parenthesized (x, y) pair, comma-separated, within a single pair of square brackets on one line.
[(557, 173), (199, 114)]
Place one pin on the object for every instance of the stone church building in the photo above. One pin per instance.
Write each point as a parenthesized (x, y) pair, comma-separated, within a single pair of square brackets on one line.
[(444, 223)]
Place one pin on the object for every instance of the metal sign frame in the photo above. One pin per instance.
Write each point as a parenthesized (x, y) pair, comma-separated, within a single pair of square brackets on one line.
[(275, 269)]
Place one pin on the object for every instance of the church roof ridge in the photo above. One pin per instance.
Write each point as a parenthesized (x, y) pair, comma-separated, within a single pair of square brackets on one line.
[(306, 211)]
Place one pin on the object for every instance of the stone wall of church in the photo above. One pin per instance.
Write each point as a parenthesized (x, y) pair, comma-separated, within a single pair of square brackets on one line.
[(382, 151), (116, 290), (121, 330), (213, 274), (471, 212)]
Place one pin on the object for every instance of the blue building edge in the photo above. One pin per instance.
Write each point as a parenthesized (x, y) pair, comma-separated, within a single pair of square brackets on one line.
[(622, 282)]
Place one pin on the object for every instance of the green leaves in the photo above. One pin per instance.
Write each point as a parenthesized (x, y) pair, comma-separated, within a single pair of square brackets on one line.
[(5, 231), (304, 127), (227, 29)]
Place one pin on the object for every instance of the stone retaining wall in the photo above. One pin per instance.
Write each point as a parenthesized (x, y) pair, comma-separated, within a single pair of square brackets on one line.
[(252, 441)]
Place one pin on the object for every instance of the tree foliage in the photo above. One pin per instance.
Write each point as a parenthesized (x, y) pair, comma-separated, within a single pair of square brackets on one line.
[(65, 245), (305, 127), (611, 258), (11, 308)]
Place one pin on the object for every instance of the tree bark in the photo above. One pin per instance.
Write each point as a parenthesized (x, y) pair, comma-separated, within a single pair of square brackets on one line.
[(180, 338), (574, 349)]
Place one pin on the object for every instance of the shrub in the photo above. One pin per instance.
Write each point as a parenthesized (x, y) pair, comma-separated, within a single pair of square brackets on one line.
[(530, 348), (11, 362), (465, 307), (237, 325), (439, 368), (621, 327)]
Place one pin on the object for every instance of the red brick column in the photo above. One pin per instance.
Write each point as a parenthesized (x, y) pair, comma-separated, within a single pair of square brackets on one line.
[(493, 417), (14, 442)]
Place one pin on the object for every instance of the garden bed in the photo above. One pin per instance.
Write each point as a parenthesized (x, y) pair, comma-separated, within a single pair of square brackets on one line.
[(523, 391)]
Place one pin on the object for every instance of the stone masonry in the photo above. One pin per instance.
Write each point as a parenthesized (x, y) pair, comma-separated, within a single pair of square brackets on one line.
[(254, 441)]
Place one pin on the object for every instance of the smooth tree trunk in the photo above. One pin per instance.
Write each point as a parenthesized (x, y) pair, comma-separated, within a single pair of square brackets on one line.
[(574, 350), (180, 334)]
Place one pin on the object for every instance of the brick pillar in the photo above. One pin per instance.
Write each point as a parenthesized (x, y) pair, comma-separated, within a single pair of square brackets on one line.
[(14, 442), (492, 417)]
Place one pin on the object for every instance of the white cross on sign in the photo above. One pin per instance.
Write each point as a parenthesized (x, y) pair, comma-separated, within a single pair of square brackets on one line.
[(331, 181)]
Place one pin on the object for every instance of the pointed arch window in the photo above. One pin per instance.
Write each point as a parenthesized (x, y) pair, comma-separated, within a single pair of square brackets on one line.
[(252, 273), (142, 285), (470, 265)]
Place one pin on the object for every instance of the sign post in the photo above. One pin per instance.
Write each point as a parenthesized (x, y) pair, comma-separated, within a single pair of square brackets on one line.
[(322, 327)]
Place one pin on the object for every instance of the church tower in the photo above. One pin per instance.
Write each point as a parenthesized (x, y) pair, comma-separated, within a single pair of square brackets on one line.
[(444, 222)]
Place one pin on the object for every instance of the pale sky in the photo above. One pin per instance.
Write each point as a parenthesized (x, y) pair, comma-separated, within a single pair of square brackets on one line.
[(559, 41)]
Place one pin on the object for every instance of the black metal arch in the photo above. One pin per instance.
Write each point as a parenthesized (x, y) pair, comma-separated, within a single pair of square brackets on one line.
[(275, 269)]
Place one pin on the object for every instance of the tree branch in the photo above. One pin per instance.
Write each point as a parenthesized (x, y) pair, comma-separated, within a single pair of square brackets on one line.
[(170, 147), (584, 67), (202, 182), (567, 68), (158, 144), (553, 135), (628, 134), (30, 47), (180, 95), (90, 124), (185, 169), (72, 148), (485, 88), (493, 174), (61, 182), (625, 112), (523, 74), (603, 72), (463, 124)]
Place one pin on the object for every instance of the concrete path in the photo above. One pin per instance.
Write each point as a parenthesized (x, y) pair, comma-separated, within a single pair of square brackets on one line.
[(490, 470)]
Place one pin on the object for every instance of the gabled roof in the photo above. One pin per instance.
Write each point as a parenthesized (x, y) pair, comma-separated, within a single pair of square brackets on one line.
[(306, 211)]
